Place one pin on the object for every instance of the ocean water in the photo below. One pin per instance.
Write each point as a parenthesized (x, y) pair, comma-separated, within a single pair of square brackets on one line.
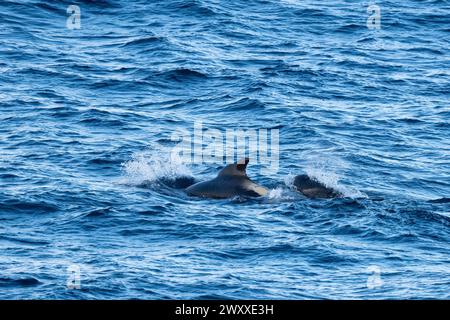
[(91, 205)]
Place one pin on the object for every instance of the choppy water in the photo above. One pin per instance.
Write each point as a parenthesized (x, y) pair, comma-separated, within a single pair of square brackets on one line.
[(84, 183)]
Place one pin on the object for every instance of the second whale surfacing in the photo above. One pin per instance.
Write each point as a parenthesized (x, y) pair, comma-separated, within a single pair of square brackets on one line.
[(230, 182), (314, 189)]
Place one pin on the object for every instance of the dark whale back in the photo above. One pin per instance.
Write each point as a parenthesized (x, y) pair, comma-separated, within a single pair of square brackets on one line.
[(236, 169), (314, 189), (231, 181)]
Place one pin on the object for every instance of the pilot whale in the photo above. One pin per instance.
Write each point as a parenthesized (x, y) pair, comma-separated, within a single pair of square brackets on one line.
[(231, 181), (314, 189)]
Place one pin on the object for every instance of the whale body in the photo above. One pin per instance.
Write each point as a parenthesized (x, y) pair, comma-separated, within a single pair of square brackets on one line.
[(231, 181), (314, 189)]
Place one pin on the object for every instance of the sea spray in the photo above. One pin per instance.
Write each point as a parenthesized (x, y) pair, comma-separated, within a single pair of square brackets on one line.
[(153, 165), (325, 170)]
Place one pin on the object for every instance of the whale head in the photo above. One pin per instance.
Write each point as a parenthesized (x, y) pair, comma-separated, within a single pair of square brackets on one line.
[(313, 188), (236, 169)]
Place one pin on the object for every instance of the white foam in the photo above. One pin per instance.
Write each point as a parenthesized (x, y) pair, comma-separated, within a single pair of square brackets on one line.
[(275, 193), (152, 165), (281, 194), (289, 180), (328, 177)]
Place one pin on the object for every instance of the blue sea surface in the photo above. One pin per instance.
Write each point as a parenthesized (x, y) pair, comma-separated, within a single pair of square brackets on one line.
[(87, 195)]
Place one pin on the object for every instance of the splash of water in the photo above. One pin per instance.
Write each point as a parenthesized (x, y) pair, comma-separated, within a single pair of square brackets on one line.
[(280, 194), (153, 165), (324, 170), (289, 180), (329, 178), (324, 174)]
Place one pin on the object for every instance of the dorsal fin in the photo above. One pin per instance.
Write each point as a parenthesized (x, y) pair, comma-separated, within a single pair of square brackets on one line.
[(241, 165), (235, 169)]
